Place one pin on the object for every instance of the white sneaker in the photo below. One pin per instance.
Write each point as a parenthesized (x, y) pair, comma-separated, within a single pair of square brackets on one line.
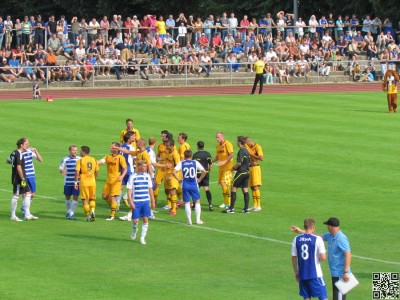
[(15, 219), (127, 217), (257, 209), (252, 208), (142, 241), (189, 222), (30, 217), (110, 218), (166, 207), (200, 222), (133, 235), (222, 205)]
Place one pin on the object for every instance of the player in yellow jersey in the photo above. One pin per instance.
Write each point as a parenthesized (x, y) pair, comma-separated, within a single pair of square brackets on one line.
[(171, 184), (224, 156), (86, 171), (116, 170), (183, 146), (259, 67), (255, 181), (129, 127), (160, 173)]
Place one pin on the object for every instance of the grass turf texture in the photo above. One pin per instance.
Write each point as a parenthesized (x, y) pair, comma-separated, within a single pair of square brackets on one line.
[(325, 155)]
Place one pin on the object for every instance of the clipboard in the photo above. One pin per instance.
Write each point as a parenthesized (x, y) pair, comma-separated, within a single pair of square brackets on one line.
[(345, 286)]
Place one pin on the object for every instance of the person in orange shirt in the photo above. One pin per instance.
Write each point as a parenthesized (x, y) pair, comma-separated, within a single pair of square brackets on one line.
[(86, 171)]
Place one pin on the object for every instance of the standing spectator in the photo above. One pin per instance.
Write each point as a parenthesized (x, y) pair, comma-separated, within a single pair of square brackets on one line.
[(259, 67), (74, 30), (207, 28), (86, 171), (190, 29), (83, 26), (18, 32), (313, 24), (104, 28), (241, 178), (339, 254), (39, 32), (263, 23), (145, 25), (339, 28), (170, 23), (26, 32), (64, 27), (367, 25), (51, 26), (8, 24), (376, 27), (353, 25), (300, 25), (225, 25), (2, 31), (233, 23), (136, 26), (128, 27), (161, 27), (331, 24), (308, 250), (198, 30), (141, 197), (244, 24), (182, 32), (92, 30)]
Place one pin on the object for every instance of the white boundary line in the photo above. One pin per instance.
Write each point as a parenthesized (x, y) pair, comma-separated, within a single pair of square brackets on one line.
[(236, 233)]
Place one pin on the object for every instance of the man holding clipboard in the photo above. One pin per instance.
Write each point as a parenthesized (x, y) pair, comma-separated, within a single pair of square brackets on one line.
[(339, 255)]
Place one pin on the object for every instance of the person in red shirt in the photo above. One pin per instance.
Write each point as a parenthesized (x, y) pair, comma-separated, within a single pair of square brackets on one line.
[(203, 41), (244, 24), (217, 42)]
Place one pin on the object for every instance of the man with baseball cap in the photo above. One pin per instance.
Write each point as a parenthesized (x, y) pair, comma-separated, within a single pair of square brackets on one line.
[(339, 254)]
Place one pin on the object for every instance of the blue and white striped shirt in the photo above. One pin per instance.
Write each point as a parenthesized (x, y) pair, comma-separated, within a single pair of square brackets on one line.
[(140, 184), (29, 155), (68, 163)]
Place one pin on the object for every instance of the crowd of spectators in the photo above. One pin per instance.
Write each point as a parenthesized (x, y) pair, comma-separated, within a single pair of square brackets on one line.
[(290, 48)]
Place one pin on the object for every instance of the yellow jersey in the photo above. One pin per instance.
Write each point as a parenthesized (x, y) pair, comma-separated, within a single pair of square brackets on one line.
[(88, 168), (123, 132), (161, 27), (259, 67), (115, 165), (172, 158), (143, 155), (182, 148), (223, 152), (255, 150)]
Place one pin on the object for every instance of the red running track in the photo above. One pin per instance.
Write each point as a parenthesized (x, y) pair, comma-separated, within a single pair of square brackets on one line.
[(191, 91)]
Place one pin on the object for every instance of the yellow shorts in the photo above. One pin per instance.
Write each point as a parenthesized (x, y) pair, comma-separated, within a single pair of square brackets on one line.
[(255, 176), (225, 176), (88, 192), (159, 176), (112, 189), (171, 183)]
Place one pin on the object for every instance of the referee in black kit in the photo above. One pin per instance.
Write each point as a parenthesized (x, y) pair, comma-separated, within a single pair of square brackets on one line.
[(259, 66)]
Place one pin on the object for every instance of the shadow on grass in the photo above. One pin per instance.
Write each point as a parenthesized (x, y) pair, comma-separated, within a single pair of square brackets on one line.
[(93, 237)]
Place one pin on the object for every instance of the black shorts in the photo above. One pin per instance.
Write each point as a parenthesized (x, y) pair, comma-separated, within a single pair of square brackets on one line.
[(19, 190), (241, 180), (205, 181)]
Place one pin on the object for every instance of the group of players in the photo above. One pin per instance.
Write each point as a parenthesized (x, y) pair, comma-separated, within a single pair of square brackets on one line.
[(142, 171)]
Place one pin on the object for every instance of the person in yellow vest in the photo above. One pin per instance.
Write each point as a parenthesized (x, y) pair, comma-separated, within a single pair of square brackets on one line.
[(116, 170), (389, 85), (255, 181), (258, 67)]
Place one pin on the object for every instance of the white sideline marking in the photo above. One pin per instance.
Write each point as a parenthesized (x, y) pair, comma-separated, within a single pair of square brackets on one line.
[(236, 233)]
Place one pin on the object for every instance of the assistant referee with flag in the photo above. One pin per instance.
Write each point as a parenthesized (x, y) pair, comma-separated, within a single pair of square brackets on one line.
[(259, 68)]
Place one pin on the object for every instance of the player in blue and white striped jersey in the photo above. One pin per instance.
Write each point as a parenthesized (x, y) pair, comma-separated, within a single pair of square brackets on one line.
[(67, 168), (29, 155), (190, 186), (140, 193), (308, 250)]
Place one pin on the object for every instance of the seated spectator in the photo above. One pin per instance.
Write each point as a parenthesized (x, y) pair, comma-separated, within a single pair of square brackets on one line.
[(116, 66), (55, 72), (5, 72), (28, 71), (251, 59), (206, 63), (360, 41), (40, 69), (203, 41), (282, 51), (144, 69), (157, 44), (164, 64), (268, 74), (176, 67), (36, 94), (233, 63), (372, 51), (155, 66), (87, 69), (381, 41), (66, 72), (270, 55), (169, 43), (213, 55), (80, 53), (54, 43), (76, 71), (239, 51), (68, 49), (368, 76), (283, 76), (217, 43), (195, 63), (342, 45), (15, 65), (356, 73)]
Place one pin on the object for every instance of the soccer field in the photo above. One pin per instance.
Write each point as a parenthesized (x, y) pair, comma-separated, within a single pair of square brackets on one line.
[(325, 155)]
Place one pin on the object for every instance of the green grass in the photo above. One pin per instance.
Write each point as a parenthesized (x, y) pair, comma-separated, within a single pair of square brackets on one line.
[(325, 155)]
